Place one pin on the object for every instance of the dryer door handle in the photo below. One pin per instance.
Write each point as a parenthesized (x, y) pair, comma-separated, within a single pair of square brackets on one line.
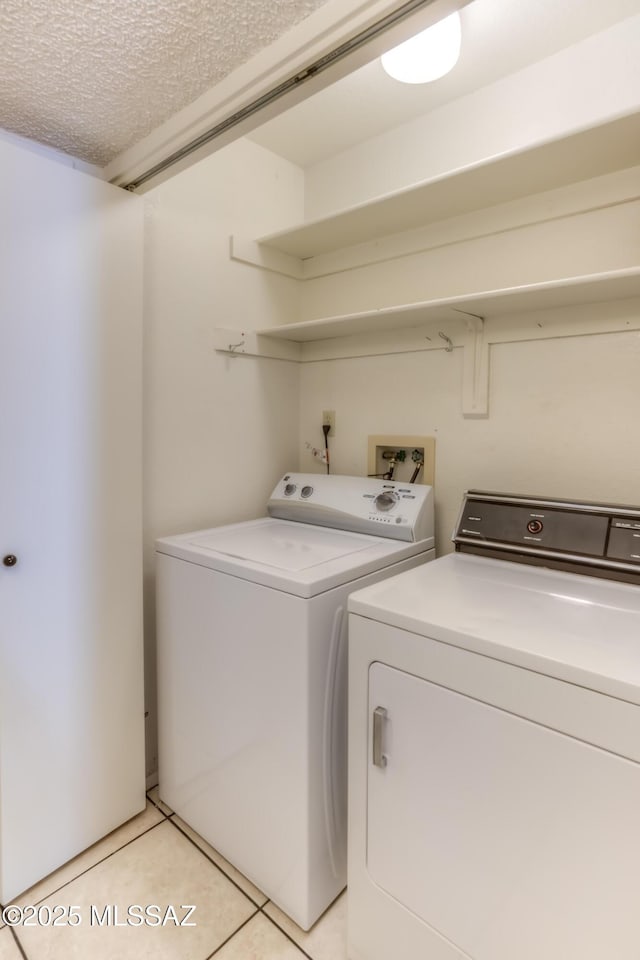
[(379, 717)]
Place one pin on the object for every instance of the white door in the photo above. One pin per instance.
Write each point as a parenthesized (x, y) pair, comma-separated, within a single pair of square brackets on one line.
[(510, 839), (71, 707)]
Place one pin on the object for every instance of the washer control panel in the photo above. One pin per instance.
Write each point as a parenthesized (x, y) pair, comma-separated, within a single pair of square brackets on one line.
[(384, 508), (603, 536)]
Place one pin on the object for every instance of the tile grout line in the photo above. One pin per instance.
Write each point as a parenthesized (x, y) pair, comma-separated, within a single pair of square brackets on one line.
[(232, 935), (218, 867), (18, 944), (82, 872), (260, 909), (96, 864), (167, 816), (287, 935)]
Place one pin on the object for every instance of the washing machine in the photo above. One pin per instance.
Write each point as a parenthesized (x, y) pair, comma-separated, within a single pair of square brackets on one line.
[(494, 741), (252, 677)]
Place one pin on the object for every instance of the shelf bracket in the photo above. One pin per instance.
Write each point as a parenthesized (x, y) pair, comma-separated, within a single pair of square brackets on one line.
[(448, 341), (247, 343), (475, 370)]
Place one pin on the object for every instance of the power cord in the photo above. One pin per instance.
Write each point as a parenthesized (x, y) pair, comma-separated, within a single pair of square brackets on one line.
[(325, 429)]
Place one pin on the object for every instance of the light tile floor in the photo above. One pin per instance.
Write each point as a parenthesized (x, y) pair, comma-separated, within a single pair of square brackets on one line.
[(157, 859)]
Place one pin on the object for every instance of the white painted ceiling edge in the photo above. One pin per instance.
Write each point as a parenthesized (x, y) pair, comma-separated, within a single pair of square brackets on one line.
[(52, 153), (321, 32)]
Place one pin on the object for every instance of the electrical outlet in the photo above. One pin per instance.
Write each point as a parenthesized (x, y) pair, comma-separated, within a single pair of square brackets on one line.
[(329, 417)]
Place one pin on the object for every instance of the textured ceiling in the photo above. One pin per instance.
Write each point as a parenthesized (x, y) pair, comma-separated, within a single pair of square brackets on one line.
[(92, 77)]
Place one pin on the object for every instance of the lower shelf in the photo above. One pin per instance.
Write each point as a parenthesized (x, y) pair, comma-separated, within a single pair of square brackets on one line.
[(577, 306)]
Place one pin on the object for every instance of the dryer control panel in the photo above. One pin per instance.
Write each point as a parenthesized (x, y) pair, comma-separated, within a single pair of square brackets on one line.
[(383, 508), (603, 539)]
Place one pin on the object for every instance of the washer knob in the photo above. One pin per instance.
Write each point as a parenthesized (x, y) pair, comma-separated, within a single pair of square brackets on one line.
[(10, 560), (306, 492), (384, 501), (289, 489)]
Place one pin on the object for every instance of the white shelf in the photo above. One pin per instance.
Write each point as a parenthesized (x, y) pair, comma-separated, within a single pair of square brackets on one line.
[(366, 322), (596, 288), (580, 156), (453, 322), (512, 314)]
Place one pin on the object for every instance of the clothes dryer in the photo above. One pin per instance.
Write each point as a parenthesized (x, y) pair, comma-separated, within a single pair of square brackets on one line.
[(252, 675), (494, 755)]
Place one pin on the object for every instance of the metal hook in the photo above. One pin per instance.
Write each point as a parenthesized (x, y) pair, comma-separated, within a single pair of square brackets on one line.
[(235, 346), (449, 346)]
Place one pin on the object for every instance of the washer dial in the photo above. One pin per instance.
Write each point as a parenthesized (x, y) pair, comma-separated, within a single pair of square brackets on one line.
[(385, 501)]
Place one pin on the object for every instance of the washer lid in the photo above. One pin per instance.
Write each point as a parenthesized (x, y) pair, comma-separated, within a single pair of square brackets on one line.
[(297, 558), (572, 627), (285, 546)]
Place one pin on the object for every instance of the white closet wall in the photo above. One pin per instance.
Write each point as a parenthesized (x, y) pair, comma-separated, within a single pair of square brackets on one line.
[(218, 430)]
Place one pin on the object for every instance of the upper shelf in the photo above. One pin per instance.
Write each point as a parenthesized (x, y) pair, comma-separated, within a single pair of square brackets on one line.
[(580, 156), (595, 288)]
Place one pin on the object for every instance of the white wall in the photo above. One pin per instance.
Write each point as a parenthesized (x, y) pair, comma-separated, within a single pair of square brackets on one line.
[(563, 417), (218, 430)]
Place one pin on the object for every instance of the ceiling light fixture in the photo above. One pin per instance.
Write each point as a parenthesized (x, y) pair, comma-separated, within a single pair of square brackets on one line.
[(427, 56)]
